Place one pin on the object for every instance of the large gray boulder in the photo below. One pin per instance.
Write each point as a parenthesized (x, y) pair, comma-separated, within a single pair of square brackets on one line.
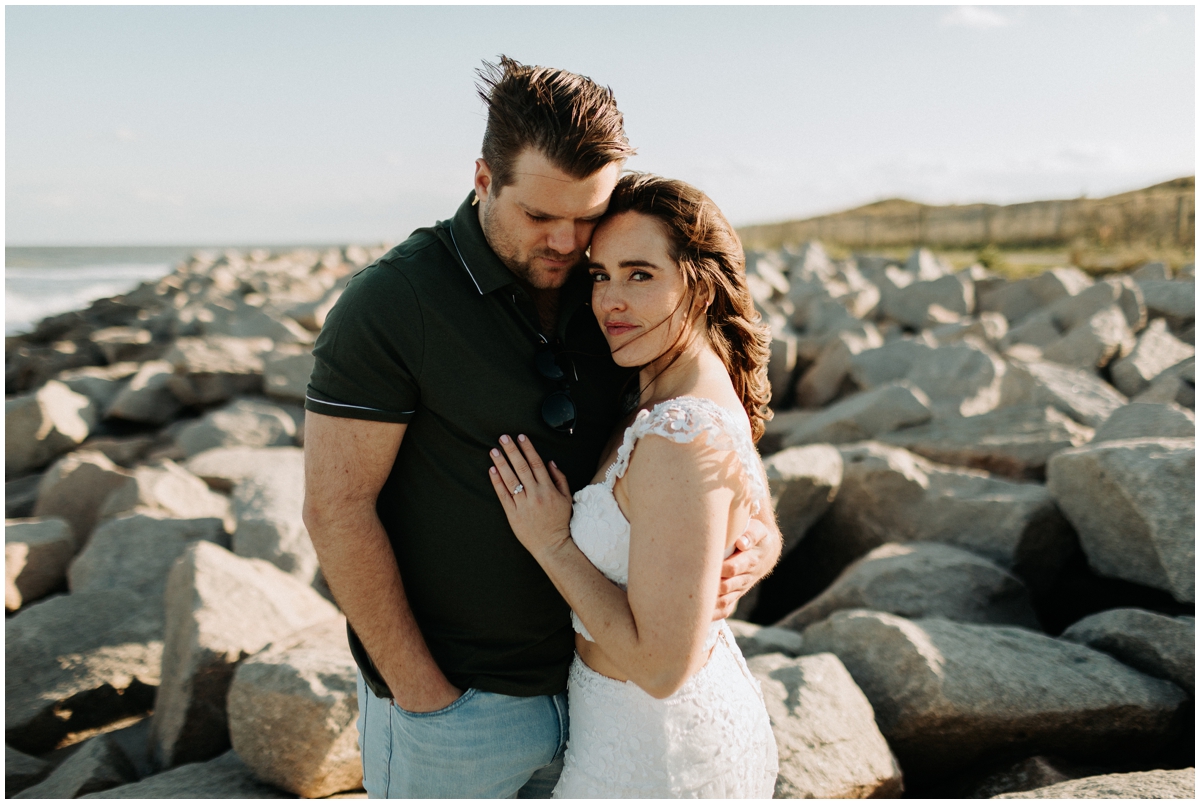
[(755, 640), (910, 305), (1013, 300), (1156, 351), (1014, 441), (124, 344), (1133, 504), (892, 361), (146, 397), (803, 482), (79, 661), (890, 495), (923, 580), (96, 765), (781, 363), (1177, 384), (864, 415), (36, 554), (946, 694), (1173, 300), (211, 370), (75, 488), (101, 384), (248, 321), (292, 712), (20, 495), (40, 426), (1037, 330), (1158, 645), (1078, 393), (287, 369), (269, 510), (1093, 343), (1070, 311), (1147, 420), (1027, 774), (829, 745), (1151, 270), (989, 328), (137, 551), (1057, 283), (224, 777), (825, 379), (168, 488), (1139, 785), (22, 771), (243, 422), (961, 379), (220, 608), (779, 428), (223, 468)]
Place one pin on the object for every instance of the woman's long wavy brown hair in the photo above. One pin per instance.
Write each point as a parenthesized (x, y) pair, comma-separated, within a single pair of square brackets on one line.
[(709, 253)]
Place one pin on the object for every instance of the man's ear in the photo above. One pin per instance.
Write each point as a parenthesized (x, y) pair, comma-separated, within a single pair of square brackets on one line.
[(483, 180)]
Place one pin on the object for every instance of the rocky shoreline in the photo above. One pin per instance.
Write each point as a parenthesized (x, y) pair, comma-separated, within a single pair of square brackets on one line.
[(986, 489)]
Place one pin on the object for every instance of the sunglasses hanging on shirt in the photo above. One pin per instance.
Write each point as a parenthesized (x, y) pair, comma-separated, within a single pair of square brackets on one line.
[(558, 409)]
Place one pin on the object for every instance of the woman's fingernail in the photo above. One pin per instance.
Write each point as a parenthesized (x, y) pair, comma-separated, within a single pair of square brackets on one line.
[(521, 438), (495, 454), (552, 463), (504, 439), (491, 470)]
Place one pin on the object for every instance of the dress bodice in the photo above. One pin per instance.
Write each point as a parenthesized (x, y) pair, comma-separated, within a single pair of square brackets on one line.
[(597, 525)]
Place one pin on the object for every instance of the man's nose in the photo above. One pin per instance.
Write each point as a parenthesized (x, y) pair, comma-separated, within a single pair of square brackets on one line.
[(561, 237)]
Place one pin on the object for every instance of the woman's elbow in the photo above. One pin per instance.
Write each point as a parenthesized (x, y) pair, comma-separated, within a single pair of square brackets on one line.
[(664, 681)]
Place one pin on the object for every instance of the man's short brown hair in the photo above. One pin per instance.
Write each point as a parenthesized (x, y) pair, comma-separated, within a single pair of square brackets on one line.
[(569, 118)]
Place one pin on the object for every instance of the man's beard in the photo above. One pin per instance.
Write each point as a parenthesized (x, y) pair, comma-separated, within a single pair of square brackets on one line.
[(523, 268)]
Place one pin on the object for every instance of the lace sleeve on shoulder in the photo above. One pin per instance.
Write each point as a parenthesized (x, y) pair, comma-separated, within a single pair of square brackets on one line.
[(685, 419)]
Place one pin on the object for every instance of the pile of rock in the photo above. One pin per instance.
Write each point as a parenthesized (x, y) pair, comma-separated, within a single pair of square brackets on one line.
[(984, 486), (169, 632), (986, 491)]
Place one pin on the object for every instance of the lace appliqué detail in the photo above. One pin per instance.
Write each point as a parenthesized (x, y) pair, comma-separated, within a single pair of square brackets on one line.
[(711, 739), (685, 419)]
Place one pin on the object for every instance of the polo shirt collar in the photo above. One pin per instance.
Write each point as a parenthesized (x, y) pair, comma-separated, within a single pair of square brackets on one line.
[(477, 258), (489, 274)]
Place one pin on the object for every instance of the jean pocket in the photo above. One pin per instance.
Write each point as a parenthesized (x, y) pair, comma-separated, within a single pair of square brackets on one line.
[(457, 703)]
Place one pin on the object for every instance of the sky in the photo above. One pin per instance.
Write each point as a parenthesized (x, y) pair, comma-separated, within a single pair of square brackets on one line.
[(271, 124)]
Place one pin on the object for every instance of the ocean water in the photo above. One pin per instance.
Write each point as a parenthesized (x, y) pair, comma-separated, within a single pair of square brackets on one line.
[(40, 282)]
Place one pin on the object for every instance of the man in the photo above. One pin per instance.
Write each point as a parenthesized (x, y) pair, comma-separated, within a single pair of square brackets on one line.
[(469, 329)]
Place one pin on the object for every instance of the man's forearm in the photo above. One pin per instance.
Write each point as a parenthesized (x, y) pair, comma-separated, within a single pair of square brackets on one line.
[(360, 568)]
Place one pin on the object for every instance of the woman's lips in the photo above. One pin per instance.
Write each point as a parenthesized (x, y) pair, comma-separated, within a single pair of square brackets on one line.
[(615, 328)]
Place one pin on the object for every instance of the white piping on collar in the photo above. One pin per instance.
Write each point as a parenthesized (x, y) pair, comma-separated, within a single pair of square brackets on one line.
[(450, 228)]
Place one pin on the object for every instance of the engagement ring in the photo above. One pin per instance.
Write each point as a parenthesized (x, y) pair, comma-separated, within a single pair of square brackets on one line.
[(520, 487)]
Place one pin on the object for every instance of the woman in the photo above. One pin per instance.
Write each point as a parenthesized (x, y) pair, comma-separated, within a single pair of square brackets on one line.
[(661, 702)]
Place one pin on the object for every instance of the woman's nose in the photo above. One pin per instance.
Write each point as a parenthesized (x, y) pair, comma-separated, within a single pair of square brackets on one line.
[(607, 298)]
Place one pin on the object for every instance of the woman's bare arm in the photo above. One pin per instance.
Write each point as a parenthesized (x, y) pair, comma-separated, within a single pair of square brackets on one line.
[(679, 500)]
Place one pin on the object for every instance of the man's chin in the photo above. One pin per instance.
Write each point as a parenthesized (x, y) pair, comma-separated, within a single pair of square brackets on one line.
[(549, 278)]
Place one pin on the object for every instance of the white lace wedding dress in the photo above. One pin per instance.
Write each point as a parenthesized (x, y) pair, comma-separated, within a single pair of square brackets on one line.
[(712, 738)]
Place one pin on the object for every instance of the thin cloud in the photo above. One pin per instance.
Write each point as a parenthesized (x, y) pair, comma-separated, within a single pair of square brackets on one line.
[(1159, 20), (975, 17)]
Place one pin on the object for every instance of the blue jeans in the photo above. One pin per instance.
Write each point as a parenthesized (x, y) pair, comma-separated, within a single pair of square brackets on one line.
[(484, 745)]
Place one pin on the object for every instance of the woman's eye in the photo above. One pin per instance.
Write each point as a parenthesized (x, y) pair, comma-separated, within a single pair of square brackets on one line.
[(640, 276), (599, 278)]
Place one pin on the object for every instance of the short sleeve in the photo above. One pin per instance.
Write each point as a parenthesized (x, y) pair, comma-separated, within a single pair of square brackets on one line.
[(369, 353)]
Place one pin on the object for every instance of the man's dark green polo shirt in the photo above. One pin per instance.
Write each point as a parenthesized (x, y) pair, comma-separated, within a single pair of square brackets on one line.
[(438, 335)]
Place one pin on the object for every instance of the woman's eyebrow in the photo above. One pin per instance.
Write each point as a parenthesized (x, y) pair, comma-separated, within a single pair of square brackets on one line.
[(636, 264)]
